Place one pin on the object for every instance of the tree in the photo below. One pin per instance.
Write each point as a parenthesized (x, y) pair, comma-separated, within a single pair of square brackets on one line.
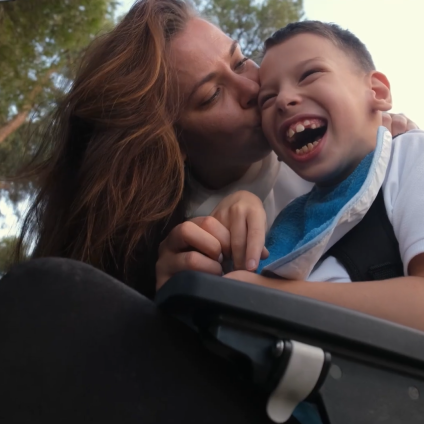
[(251, 22), (40, 41)]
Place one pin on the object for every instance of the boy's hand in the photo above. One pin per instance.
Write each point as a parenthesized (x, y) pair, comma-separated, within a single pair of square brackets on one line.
[(243, 214), (398, 123)]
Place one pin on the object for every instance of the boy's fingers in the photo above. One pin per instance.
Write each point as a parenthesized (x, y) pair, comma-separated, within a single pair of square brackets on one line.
[(256, 229), (238, 242), (265, 253)]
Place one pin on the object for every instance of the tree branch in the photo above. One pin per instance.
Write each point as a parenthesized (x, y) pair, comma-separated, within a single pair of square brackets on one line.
[(19, 119)]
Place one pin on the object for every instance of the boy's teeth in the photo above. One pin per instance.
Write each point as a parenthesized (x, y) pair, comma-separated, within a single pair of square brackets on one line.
[(301, 126), (308, 148)]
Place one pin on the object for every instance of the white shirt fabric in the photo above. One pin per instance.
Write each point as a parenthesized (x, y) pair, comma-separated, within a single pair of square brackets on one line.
[(403, 190), (272, 181)]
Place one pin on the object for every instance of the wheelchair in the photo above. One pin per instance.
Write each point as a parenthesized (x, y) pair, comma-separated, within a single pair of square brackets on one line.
[(350, 367)]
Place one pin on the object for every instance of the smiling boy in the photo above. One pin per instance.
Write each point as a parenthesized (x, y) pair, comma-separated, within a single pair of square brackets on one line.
[(321, 100)]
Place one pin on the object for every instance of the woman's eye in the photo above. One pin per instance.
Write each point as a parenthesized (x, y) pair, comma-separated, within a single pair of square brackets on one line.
[(212, 98), (242, 63), (308, 73)]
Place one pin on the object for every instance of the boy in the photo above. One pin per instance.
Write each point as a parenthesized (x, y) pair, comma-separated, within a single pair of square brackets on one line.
[(321, 100)]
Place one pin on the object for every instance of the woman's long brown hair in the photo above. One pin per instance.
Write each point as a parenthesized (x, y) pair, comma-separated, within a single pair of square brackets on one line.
[(112, 173)]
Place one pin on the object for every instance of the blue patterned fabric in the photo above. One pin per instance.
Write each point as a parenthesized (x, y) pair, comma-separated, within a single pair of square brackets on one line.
[(311, 214)]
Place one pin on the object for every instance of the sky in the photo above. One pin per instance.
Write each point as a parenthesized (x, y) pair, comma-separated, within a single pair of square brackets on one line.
[(391, 29)]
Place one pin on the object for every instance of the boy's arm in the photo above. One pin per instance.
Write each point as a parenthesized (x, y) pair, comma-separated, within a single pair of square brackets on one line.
[(398, 299)]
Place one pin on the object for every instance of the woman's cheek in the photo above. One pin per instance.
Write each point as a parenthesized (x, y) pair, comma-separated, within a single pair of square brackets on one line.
[(267, 126)]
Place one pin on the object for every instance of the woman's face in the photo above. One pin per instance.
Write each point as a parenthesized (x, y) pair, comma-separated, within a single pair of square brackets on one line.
[(220, 126)]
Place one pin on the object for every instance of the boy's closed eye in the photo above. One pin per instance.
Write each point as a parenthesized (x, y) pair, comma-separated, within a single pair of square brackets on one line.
[(307, 75)]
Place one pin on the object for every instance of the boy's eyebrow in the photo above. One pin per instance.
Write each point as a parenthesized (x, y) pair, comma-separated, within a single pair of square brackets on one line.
[(305, 62), (211, 75), (298, 65)]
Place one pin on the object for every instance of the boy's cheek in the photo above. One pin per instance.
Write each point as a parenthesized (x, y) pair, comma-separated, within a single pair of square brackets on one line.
[(271, 137)]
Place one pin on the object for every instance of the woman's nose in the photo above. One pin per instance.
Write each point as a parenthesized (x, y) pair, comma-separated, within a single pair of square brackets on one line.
[(248, 92)]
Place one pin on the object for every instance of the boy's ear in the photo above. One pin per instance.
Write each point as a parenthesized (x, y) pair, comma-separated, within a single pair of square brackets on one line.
[(381, 95)]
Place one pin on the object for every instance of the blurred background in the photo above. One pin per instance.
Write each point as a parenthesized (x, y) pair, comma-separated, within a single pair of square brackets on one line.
[(41, 40)]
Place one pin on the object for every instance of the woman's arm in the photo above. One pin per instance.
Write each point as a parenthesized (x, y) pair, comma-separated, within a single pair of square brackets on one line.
[(399, 299)]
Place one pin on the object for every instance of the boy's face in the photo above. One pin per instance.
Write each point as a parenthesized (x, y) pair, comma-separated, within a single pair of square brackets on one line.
[(317, 108)]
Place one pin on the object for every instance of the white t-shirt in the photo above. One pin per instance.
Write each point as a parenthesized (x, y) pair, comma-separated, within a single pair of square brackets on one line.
[(273, 182), (403, 190)]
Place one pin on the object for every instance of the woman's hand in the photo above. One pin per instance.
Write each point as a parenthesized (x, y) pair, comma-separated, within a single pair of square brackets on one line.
[(398, 123), (243, 214), (196, 245)]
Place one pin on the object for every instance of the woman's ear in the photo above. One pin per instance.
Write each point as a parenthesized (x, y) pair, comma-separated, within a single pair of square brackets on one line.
[(381, 95)]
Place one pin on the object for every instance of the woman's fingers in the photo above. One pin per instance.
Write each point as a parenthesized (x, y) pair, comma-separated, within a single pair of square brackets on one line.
[(191, 247), (170, 264), (216, 229), (398, 123), (189, 235)]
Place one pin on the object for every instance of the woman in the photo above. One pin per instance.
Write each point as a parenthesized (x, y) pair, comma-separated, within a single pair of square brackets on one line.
[(77, 345)]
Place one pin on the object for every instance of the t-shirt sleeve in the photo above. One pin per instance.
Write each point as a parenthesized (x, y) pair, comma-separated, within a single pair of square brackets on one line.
[(404, 194)]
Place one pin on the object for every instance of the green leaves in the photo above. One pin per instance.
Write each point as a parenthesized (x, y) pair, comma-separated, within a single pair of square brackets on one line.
[(251, 22), (39, 38), (40, 41)]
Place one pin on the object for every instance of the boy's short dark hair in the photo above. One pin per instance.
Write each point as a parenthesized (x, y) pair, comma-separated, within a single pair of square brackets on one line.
[(340, 37)]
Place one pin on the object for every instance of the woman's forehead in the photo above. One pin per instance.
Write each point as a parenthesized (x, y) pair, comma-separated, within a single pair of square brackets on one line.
[(201, 44)]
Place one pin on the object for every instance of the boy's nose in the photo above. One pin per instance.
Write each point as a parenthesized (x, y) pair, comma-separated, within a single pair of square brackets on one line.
[(287, 99)]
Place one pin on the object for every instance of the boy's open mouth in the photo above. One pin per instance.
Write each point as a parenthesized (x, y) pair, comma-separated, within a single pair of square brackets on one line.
[(304, 135)]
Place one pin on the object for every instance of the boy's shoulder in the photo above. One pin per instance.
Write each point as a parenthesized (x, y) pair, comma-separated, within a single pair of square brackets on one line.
[(408, 147), (413, 135)]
